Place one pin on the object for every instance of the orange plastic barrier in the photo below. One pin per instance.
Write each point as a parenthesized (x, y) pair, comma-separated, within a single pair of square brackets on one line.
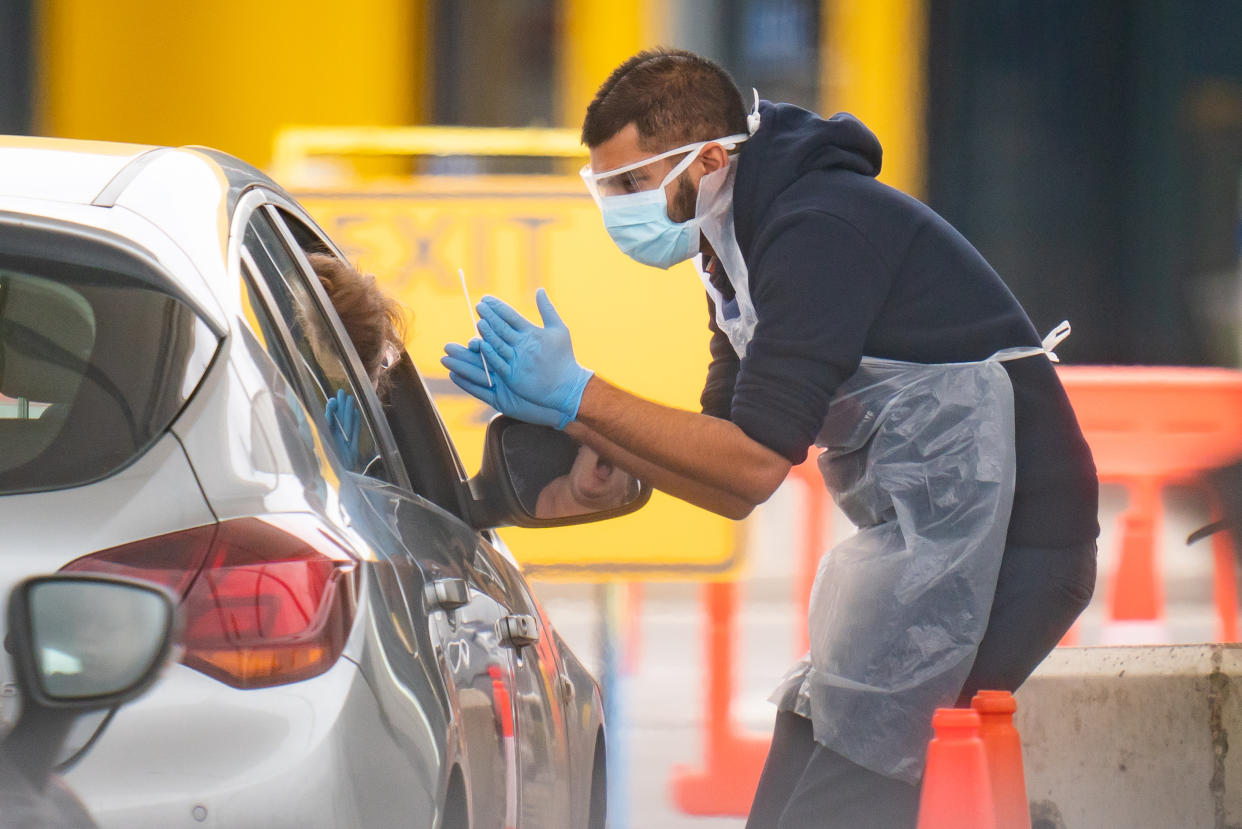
[(1003, 748), (957, 793), (733, 759), (817, 506), (1149, 427)]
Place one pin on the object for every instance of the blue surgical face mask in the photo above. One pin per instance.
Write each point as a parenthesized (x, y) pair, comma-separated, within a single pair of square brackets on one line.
[(636, 214), (639, 224)]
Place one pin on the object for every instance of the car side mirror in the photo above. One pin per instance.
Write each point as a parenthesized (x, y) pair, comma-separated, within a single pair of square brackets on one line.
[(80, 643), (535, 476)]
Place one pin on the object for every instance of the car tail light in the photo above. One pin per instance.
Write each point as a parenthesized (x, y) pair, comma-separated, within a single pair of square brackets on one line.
[(265, 601), (170, 560)]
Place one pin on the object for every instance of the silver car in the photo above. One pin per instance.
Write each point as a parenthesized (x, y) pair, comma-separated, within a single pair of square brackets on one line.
[(360, 650)]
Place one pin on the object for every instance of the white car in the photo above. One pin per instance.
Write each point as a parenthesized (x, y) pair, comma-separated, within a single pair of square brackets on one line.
[(360, 650)]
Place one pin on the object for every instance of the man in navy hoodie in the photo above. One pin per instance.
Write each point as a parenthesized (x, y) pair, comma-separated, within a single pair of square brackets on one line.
[(810, 265)]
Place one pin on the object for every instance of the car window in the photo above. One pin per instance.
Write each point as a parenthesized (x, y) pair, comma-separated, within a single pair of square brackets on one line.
[(430, 459), (422, 442), (326, 384), (308, 240), (97, 357)]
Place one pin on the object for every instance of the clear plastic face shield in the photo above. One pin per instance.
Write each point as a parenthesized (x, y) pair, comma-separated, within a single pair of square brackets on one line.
[(648, 173)]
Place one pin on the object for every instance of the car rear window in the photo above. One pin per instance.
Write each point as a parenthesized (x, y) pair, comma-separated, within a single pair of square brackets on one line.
[(98, 353)]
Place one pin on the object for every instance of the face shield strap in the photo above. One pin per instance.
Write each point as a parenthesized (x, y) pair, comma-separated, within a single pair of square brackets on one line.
[(752, 120), (679, 168), (593, 179)]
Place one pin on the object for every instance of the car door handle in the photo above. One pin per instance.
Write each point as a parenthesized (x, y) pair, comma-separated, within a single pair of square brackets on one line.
[(567, 689), (517, 631), (447, 594)]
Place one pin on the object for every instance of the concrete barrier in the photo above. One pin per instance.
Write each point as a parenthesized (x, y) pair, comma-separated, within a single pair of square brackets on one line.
[(1134, 737)]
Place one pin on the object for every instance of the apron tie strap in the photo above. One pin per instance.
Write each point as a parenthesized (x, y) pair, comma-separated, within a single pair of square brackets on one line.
[(1055, 337)]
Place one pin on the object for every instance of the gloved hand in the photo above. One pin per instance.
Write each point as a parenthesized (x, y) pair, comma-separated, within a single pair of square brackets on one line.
[(343, 421), (465, 367), (536, 363)]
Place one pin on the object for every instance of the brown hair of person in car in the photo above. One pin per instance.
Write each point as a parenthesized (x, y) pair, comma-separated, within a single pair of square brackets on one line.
[(372, 319)]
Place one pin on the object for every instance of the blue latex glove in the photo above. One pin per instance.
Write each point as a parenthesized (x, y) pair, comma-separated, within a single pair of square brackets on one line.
[(465, 367), (536, 363), (343, 421)]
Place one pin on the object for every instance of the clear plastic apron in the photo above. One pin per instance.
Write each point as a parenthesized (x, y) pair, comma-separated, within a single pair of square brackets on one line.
[(920, 457)]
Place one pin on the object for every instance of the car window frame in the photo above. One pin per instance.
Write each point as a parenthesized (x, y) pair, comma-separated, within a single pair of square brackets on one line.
[(368, 402), (428, 442), (280, 349), (378, 408)]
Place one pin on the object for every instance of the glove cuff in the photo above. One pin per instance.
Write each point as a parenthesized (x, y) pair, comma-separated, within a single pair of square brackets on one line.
[(569, 413)]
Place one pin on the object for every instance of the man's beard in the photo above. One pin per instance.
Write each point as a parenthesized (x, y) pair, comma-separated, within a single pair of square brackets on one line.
[(684, 200)]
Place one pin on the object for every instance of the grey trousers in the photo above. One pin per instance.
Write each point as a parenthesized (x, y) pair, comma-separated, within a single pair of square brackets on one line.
[(1039, 594)]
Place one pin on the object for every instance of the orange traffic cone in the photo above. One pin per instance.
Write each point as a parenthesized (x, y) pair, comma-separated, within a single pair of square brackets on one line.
[(1004, 752), (956, 790)]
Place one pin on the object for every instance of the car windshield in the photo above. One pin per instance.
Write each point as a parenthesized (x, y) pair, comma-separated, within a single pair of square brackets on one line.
[(97, 356)]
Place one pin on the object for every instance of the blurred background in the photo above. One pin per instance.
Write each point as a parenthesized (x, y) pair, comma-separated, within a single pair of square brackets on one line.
[(1091, 149)]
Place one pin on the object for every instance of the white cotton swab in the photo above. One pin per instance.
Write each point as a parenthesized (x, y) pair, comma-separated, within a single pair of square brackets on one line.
[(474, 321)]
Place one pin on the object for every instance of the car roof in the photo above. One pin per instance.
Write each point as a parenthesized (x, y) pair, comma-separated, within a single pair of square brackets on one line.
[(187, 193), (57, 169), (86, 172)]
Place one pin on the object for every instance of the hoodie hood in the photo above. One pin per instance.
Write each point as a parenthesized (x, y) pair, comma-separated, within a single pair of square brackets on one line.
[(789, 143)]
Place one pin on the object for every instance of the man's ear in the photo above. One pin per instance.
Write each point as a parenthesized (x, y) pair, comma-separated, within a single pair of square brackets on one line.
[(713, 157)]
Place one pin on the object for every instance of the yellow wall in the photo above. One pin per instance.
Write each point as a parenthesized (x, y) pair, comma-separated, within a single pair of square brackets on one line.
[(226, 73), (872, 64), (597, 36)]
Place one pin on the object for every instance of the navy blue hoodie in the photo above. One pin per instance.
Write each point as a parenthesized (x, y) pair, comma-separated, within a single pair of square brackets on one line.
[(841, 266)]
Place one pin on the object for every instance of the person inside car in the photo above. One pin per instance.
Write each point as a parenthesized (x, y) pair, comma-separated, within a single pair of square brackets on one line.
[(373, 320), (375, 325)]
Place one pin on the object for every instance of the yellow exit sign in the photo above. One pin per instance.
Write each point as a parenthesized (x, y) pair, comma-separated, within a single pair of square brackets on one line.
[(642, 328)]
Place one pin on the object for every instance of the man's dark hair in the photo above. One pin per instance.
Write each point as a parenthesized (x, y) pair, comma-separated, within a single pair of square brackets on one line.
[(672, 97)]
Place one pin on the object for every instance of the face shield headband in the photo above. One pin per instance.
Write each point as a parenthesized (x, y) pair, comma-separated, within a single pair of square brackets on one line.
[(644, 175), (641, 175)]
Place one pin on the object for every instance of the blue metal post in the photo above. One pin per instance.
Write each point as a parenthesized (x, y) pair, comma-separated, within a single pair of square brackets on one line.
[(612, 684)]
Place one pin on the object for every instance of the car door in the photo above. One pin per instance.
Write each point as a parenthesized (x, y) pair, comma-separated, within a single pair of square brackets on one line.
[(421, 625), (536, 686), (506, 693), (543, 698)]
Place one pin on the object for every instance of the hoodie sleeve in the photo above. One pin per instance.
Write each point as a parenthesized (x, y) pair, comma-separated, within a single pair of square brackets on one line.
[(817, 287), (717, 397)]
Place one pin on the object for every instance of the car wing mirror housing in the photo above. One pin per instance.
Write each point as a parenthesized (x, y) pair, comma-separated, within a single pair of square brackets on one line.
[(80, 643), (536, 476)]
